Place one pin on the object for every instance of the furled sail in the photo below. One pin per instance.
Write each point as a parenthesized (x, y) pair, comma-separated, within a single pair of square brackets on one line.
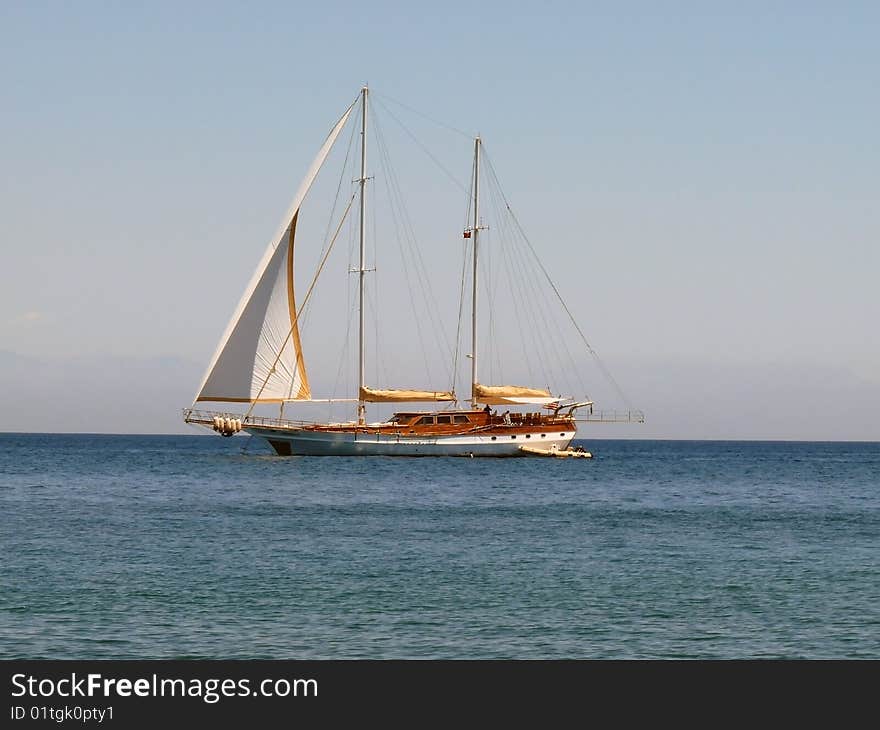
[(259, 358), (511, 395), (372, 395)]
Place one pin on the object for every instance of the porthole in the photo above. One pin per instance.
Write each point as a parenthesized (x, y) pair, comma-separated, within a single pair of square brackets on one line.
[(528, 435), (543, 435), (513, 437), (494, 437), (562, 434)]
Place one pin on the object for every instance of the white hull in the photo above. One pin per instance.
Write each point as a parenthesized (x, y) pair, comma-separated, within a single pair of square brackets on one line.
[(341, 443)]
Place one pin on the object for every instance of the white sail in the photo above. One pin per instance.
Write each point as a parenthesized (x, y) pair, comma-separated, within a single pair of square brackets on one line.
[(259, 358)]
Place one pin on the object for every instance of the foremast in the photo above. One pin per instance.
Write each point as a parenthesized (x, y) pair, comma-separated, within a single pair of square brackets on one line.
[(361, 410)]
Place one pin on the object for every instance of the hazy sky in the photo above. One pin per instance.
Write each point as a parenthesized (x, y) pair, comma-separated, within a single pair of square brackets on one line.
[(707, 175)]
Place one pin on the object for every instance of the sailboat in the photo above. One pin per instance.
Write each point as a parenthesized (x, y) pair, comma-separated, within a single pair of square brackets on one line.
[(260, 360)]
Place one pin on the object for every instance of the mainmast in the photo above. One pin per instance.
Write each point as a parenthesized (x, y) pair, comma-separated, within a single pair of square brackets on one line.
[(474, 297), (362, 265)]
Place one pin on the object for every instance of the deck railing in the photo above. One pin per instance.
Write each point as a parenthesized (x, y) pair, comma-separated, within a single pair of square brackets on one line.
[(612, 417), (206, 418)]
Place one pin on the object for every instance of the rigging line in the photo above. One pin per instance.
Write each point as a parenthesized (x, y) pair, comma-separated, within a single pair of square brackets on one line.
[(580, 332), (467, 255), (370, 313), (560, 336), (545, 311), (485, 264), (409, 230), (389, 179), (486, 270), (465, 274), (342, 176), (396, 197), (520, 286), (486, 279), (460, 311), (372, 304), (352, 235), (490, 282), (353, 230), (398, 227), (545, 320), (523, 300), (422, 147), (373, 300), (343, 359), (470, 199), (305, 301), (533, 295), (422, 114), (520, 317), (527, 287)]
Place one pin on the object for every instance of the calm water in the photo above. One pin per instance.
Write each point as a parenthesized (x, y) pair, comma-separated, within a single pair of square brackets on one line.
[(180, 546)]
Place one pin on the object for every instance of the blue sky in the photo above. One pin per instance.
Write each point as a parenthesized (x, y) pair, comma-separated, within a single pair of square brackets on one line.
[(708, 175)]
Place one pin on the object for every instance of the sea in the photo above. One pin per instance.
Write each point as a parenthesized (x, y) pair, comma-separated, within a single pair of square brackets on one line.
[(158, 547)]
